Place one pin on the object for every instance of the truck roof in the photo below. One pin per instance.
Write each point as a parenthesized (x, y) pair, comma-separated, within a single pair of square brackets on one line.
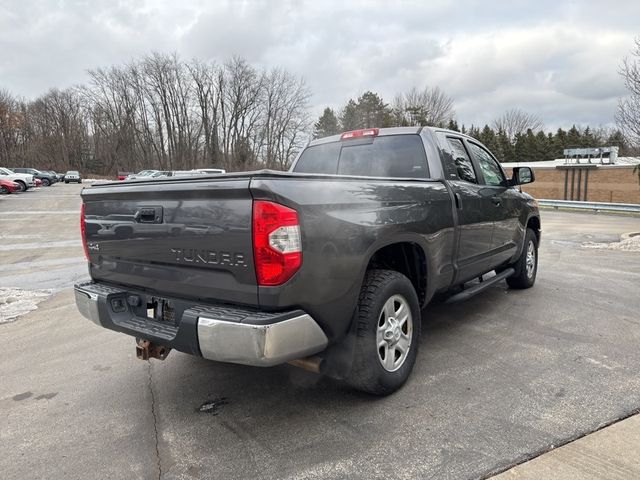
[(387, 131)]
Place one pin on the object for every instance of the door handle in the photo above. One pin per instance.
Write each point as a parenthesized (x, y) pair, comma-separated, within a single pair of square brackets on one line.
[(497, 201), (148, 215)]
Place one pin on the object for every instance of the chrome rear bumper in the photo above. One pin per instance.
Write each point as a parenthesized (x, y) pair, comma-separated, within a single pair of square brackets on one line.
[(220, 333)]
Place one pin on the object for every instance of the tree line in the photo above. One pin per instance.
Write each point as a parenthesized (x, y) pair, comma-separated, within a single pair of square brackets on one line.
[(513, 136), (160, 112)]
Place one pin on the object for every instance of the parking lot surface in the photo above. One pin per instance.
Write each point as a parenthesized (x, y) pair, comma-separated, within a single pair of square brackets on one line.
[(498, 380)]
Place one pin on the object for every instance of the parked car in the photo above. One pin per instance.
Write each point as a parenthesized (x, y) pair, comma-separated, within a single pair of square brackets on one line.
[(328, 266), (124, 175), (211, 170), (47, 178), (54, 175), (38, 182), (142, 174), (162, 174), (187, 173), (9, 186), (59, 176), (24, 180), (72, 176), (173, 173)]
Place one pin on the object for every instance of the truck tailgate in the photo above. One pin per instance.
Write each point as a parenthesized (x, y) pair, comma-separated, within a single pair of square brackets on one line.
[(185, 237)]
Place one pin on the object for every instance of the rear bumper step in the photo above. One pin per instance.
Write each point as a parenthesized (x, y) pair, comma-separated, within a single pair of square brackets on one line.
[(217, 332)]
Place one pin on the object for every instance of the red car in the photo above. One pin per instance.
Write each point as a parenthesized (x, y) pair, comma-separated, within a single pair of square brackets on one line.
[(7, 186), (38, 182)]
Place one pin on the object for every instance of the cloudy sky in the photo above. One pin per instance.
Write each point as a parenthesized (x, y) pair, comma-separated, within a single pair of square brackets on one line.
[(557, 59)]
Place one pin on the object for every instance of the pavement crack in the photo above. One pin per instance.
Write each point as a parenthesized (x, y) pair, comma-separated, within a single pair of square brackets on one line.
[(155, 420)]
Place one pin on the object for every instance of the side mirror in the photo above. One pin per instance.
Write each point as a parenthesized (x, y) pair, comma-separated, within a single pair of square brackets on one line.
[(522, 175)]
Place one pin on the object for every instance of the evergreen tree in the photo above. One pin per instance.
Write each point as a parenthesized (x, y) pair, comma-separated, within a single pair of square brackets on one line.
[(543, 148), (326, 125), (488, 138), (505, 147), (474, 132), (349, 117), (453, 125), (372, 111), (368, 111), (588, 140), (574, 139), (519, 148), (559, 143)]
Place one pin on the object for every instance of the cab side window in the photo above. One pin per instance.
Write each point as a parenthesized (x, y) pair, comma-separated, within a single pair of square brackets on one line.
[(491, 171), (464, 167)]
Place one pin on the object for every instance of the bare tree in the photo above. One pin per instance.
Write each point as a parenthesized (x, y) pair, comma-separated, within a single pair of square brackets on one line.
[(160, 112), (515, 121), (628, 114), (11, 127), (429, 106), (285, 117)]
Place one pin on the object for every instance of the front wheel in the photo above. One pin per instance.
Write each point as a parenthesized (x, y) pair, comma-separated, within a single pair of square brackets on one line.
[(22, 187), (388, 332), (4, 189), (45, 182), (527, 265)]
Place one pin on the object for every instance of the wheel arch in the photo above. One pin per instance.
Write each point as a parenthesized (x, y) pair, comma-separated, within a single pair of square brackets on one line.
[(407, 257), (533, 222)]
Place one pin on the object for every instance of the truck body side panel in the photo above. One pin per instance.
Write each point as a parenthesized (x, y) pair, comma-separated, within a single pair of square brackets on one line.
[(344, 221)]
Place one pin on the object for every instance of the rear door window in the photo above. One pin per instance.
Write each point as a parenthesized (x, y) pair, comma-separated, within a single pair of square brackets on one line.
[(399, 156), (463, 165)]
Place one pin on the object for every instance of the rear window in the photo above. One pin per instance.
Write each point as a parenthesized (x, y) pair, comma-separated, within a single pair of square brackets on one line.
[(390, 156)]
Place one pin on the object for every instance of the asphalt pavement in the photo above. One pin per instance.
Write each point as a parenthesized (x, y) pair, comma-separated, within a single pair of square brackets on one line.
[(499, 379)]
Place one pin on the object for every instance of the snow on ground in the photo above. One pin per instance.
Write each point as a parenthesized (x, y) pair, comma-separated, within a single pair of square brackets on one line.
[(15, 302), (631, 244)]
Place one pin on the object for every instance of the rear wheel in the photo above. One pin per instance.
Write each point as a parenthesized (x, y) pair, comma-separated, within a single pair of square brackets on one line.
[(45, 182), (388, 332), (4, 189), (527, 265)]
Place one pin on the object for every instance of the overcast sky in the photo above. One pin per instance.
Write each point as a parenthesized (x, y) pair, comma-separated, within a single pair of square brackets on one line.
[(557, 59)]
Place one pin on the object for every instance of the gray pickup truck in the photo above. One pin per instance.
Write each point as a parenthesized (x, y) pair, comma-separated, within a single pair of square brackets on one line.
[(327, 266)]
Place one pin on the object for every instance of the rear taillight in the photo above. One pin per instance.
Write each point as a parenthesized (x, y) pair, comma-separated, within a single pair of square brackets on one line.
[(277, 245), (83, 232)]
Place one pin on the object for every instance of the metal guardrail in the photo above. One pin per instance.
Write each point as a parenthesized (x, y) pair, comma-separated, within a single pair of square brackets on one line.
[(594, 206)]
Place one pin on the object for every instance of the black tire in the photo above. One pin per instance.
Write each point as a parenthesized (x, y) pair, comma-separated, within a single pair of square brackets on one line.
[(4, 189), (368, 373), (66, 181), (23, 186), (45, 182), (525, 275)]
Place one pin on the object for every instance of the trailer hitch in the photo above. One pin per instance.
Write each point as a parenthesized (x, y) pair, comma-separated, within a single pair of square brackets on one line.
[(146, 350)]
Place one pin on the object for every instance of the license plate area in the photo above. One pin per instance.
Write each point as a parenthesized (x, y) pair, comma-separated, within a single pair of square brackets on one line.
[(161, 310)]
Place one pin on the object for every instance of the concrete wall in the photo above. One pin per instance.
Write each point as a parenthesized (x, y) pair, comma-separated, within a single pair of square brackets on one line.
[(593, 183)]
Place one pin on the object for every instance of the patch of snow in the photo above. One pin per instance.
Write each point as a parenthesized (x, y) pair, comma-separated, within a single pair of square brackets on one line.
[(15, 302), (631, 244)]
